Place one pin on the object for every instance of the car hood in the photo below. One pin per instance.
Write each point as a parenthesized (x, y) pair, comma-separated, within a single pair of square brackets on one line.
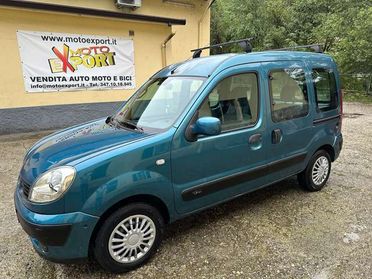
[(74, 143)]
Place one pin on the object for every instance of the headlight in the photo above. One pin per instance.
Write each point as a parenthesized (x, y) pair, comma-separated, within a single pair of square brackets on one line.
[(52, 184)]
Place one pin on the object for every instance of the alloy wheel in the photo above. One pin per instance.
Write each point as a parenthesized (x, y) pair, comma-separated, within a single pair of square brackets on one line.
[(132, 238)]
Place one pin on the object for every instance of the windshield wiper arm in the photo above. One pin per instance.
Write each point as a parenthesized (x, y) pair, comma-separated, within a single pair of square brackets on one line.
[(131, 125), (125, 123), (108, 119)]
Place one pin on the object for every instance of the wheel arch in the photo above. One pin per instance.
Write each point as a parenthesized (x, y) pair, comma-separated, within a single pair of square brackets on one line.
[(141, 198), (330, 150)]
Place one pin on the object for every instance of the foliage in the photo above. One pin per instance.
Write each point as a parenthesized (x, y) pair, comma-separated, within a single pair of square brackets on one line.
[(344, 28), (362, 97)]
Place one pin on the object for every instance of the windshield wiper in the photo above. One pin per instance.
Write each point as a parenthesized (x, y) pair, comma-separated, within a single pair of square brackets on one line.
[(108, 119), (124, 123), (131, 125)]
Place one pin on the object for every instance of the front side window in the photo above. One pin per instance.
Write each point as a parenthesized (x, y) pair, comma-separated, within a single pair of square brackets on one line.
[(234, 101), (288, 92), (159, 103), (325, 89)]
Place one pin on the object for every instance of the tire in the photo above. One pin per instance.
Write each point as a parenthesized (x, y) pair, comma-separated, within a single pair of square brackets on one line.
[(320, 161), (144, 227)]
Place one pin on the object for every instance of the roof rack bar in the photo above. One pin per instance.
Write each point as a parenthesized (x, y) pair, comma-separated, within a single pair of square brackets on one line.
[(224, 44), (243, 42), (316, 47)]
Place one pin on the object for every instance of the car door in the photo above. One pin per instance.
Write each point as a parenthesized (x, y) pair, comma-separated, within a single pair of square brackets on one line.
[(290, 120), (216, 168)]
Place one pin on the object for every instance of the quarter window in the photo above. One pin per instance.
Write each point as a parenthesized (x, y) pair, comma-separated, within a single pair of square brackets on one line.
[(325, 89), (234, 101), (288, 92)]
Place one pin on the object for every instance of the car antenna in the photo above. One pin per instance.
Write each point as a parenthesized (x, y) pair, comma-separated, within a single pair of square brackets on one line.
[(245, 43)]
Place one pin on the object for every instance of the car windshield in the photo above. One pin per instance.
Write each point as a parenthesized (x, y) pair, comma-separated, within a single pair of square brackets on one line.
[(158, 104)]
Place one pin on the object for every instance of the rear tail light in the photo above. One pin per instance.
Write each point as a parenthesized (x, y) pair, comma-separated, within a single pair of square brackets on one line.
[(341, 110)]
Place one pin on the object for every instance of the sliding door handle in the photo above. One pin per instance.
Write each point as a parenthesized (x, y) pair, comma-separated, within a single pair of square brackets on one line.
[(276, 136)]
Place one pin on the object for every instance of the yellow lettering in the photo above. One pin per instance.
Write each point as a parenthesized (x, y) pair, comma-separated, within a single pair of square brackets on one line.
[(56, 65), (89, 61), (75, 61), (75, 53), (100, 60), (110, 58)]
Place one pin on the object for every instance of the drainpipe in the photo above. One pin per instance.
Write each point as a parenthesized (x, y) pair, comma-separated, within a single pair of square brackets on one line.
[(201, 20), (164, 49)]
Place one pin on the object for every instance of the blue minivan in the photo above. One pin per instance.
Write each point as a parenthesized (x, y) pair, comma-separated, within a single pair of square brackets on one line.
[(196, 134)]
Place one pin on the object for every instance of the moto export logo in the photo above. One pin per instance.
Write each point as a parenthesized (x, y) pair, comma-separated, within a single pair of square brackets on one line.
[(68, 59)]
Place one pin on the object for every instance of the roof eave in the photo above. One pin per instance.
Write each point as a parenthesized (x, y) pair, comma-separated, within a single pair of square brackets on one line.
[(91, 12)]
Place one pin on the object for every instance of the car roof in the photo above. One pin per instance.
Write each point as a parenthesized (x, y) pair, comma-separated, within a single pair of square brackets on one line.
[(206, 66)]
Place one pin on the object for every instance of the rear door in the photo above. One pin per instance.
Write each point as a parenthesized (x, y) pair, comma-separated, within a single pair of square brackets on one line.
[(289, 124), (216, 168)]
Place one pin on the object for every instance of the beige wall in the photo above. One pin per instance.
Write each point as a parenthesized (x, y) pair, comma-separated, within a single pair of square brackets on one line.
[(147, 42)]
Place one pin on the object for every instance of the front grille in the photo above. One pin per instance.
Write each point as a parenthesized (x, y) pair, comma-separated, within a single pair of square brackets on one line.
[(25, 187)]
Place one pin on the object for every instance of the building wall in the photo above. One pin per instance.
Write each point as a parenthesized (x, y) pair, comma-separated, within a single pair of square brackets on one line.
[(147, 43), (148, 38), (186, 36), (12, 93)]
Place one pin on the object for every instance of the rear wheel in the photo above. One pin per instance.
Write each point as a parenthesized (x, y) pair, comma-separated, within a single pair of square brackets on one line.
[(129, 237), (316, 174)]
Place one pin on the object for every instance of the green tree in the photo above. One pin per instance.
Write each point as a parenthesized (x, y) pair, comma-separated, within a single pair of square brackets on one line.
[(344, 28)]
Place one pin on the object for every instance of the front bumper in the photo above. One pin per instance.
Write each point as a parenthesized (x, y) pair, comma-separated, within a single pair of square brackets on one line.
[(48, 235), (60, 237)]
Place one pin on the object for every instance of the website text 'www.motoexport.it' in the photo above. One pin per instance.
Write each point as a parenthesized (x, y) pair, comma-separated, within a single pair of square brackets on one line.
[(78, 40)]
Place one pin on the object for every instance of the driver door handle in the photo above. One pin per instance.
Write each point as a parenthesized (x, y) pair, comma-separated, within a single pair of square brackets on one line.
[(254, 139)]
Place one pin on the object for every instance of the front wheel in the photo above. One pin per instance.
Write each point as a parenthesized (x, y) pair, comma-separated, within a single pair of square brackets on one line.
[(129, 237), (316, 174)]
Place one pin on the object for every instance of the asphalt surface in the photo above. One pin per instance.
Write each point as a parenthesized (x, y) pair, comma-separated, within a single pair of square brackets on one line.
[(278, 232)]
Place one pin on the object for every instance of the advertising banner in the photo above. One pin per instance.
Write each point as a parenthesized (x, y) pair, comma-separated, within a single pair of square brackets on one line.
[(68, 62)]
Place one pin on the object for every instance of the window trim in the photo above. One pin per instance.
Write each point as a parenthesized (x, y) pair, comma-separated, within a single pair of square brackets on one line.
[(329, 71), (271, 94), (256, 73)]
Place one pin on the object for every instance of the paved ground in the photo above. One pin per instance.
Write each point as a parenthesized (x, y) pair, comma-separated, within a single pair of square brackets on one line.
[(278, 232)]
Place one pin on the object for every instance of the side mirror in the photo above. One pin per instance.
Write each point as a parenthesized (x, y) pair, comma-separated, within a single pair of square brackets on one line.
[(209, 126)]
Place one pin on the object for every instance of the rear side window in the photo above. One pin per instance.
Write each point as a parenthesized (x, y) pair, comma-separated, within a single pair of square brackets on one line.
[(288, 92), (325, 89)]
